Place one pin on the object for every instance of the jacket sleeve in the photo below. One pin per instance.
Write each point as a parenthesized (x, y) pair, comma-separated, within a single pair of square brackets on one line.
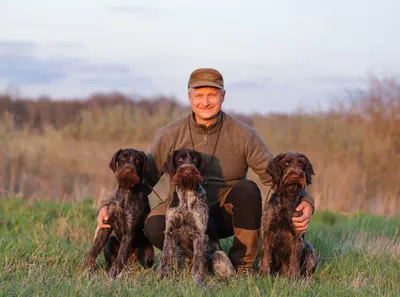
[(257, 158), (306, 197), (105, 198), (157, 156)]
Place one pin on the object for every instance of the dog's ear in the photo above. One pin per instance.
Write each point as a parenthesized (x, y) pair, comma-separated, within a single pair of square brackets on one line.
[(114, 163), (308, 170), (170, 166), (144, 165), (274, 169)]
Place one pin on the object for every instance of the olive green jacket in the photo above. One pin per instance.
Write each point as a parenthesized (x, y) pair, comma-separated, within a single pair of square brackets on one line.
[(239, 147)]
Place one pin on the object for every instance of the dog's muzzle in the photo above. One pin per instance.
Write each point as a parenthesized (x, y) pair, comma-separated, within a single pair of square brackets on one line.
[(187, 177), (127, 176), (294, 176)]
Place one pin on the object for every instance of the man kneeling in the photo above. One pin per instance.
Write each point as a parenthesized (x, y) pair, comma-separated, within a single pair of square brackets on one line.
[(229, 147)]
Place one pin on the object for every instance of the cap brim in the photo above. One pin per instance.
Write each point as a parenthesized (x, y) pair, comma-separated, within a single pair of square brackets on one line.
[(199, 84)]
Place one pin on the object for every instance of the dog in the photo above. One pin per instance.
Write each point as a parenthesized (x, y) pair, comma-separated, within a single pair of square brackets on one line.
[(284, 251), (187, 217), (126, 215)]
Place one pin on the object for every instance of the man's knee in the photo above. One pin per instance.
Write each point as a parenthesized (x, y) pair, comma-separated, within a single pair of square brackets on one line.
[(155, 225), (247, 194), (245, 203), (154, 230)]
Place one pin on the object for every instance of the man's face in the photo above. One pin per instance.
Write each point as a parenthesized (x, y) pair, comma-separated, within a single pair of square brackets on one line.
[(206, 102)]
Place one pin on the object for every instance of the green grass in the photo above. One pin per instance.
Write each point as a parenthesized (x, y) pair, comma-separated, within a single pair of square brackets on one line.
[(42, 245)]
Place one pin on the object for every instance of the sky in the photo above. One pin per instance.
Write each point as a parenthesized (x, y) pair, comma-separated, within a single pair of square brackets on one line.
[(275, 56)]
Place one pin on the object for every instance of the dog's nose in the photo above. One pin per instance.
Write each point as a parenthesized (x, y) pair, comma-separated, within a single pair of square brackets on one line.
[(130, 168)]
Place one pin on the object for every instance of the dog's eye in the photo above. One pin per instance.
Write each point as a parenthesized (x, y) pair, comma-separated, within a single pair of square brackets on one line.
[(287, 164)]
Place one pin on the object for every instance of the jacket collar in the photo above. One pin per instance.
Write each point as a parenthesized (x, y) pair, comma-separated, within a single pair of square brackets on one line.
[(199, 128)]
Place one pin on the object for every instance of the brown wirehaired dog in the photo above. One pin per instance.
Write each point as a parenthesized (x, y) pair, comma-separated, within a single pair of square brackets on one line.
[(284, 251), (186, 220), (126, 215)]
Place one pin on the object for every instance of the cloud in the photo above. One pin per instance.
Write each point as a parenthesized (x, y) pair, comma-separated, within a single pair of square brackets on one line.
[(111, 76), (336, 80), (22, 71), (246, 85), (103, 69), (136, 10), (25, 70), (254, 84), (66, 45), (20, 67), (16, 47), (116, 82)]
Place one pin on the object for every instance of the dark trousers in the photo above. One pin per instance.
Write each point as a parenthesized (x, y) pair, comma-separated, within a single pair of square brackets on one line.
[(239, 215)]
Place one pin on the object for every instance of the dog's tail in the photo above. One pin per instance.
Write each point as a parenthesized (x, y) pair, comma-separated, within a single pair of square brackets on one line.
[(221, 264)]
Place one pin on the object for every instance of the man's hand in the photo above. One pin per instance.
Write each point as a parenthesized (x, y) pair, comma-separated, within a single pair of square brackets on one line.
[(301, 223), (102, 216)]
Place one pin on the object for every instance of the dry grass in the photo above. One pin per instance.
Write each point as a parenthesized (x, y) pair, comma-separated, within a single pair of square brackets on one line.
[(374, 246), (355, 150)]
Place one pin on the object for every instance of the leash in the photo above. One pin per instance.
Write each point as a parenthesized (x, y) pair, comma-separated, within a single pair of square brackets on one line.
[(152, 189), (191, 138), (270, 189)]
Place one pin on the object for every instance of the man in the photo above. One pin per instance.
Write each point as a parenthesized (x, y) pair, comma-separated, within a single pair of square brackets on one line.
[(230, 148)]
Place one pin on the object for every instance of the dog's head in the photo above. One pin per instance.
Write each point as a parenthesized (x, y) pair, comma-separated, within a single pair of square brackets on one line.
[(186, 168), (128, 166), (290, 169)]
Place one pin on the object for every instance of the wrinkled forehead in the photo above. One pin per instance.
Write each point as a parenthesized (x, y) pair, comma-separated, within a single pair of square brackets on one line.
[(129, 154), (293, 158), (187, 156), (204, 91)]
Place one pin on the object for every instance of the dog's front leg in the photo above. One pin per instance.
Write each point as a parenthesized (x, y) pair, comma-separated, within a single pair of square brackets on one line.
[(98, 245), (265, 263), (294, 261), (146, 254), (266, 259), (167, 255), (309, 259), (199, 258), (181, 257), (123, 254)]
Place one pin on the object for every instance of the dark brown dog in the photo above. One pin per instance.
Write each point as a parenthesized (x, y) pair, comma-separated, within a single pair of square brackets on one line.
[(187, 218), (284, 251), (126, 215)]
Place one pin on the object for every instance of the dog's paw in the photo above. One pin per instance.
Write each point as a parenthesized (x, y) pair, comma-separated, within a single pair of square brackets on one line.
[(114, 271), (264, 271), (88, 264), (198, 279), (146, 258), (309, 261), (162, 273)]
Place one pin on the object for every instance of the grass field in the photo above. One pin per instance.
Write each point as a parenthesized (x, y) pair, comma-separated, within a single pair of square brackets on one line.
[(42, 245)]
